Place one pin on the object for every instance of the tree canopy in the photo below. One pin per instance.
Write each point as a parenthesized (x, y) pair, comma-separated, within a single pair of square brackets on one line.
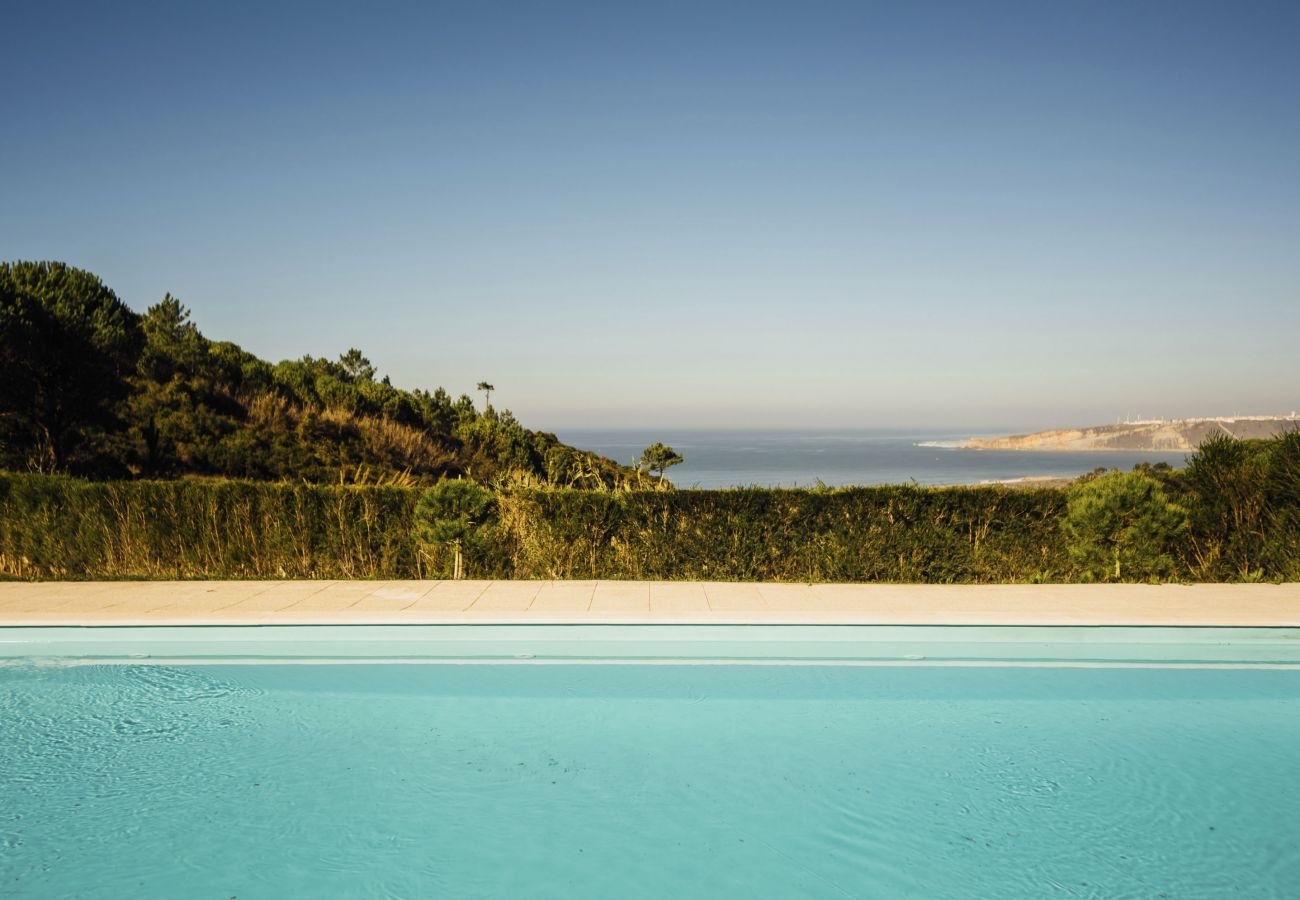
[(94, 388), (67, 344), (659, 458)]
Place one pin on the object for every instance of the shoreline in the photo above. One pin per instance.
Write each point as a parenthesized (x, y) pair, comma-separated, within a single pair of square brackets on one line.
[(1029, 481)]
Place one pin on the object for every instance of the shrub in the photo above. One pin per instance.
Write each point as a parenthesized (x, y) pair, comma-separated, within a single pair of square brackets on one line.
[(452, 514), (1228, 507), (1282, 505), (1122, 526)]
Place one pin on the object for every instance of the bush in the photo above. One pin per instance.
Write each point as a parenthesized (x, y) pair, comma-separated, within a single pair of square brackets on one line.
[(1122, 527), (452, 515), (1244, 500), (1282, 507)]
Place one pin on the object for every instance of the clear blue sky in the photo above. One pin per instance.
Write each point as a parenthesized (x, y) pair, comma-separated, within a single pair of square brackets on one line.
[(858, 214)]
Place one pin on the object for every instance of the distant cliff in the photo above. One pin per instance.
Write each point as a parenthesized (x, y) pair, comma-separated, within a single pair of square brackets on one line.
[(1152, 435)]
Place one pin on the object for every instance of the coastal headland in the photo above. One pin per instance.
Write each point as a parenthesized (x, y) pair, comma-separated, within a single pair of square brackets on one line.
[(1144, 435)]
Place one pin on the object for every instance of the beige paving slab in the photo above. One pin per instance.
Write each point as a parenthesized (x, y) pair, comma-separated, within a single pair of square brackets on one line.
[(507, 596), (887, 601), (150, 592), (561, 598), (786, 596), (388, 597), (278, 600), (678, 599), (724, 597), (252, 596), (150, 599), (427, 602), (283, 596), (335, 596), (195, 597), (45, 595), (621, 598), (16, 603), (374, 602), (446, 598), (453, 596), (404, 591)]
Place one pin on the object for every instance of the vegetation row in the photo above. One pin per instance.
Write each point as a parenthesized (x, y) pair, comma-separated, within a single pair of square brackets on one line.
[(1233, 514)]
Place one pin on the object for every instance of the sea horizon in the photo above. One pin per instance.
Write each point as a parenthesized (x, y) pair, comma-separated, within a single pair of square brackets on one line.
[(839, 457)]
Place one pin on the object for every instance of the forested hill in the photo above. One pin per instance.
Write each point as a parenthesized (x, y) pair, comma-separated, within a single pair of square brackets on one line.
[(90, 387)]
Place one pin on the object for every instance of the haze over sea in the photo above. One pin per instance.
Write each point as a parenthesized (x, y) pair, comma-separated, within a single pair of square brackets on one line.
[(716, 458)]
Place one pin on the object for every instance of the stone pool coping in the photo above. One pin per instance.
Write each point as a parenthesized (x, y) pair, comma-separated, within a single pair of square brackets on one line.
[(133, 603)]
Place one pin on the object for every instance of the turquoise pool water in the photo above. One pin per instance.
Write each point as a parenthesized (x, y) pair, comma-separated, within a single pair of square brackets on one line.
[(233, 774)]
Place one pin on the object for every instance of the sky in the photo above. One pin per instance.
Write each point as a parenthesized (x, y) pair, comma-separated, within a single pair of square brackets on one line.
[(692, 214)]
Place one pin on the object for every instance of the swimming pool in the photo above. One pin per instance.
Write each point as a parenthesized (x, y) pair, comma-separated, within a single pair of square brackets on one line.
[(644, 761)]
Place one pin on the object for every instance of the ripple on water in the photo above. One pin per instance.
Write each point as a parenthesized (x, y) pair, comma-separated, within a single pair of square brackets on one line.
[(100, 720), (176, 684), (610, 781)]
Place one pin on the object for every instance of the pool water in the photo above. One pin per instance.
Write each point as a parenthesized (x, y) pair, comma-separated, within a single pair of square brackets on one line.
[(401, 779)]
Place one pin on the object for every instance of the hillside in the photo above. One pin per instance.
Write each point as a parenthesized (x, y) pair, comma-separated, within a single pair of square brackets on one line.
[(1165, 435), (93, 388)]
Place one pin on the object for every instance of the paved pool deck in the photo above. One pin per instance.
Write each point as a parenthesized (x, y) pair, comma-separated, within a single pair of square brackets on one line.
[(109, 603)]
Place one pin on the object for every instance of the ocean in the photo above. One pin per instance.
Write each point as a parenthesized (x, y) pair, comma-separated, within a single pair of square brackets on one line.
[(716, 458)]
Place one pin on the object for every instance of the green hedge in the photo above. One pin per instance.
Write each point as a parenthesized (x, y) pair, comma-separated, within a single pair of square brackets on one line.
[(59, 527), (1237, 512), (912, 534)]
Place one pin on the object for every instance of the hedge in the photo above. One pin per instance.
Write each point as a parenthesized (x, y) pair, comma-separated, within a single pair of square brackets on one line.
[(61, 527), (1241, 499)]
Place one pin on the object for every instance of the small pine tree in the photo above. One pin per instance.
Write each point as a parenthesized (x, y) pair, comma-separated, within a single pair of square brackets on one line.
[(658, 457), (359, 368), (1121, 526), (451, 514)]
